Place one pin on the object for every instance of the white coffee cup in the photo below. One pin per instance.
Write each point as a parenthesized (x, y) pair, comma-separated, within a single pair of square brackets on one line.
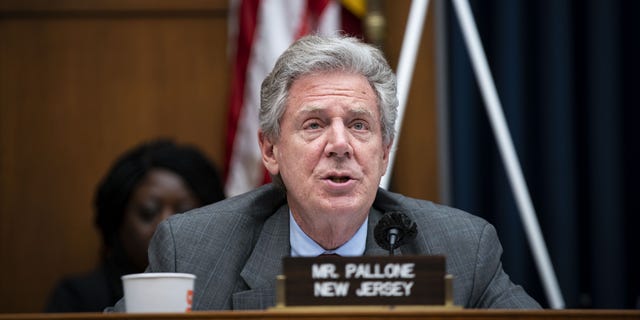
[(158, 292)]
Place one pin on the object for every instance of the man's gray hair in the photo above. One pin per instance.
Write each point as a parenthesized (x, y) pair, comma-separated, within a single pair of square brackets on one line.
[(317, 54)]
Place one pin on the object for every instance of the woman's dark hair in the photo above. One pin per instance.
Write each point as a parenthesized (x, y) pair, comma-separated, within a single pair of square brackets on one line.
[(114, 191)]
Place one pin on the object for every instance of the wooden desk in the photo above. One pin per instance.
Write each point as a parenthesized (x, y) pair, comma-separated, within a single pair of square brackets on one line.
[(340, 314)]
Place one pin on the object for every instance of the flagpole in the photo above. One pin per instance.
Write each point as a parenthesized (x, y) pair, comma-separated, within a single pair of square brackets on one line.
[(508, 153), (404, 72)]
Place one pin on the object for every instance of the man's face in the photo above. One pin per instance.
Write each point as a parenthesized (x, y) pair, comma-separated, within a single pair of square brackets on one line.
[(330, 153)]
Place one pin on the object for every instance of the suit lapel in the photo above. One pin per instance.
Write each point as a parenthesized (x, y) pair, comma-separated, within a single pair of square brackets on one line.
[(265, 263)]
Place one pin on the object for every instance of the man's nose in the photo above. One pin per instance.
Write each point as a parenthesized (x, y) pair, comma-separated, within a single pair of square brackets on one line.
[(338, 141)]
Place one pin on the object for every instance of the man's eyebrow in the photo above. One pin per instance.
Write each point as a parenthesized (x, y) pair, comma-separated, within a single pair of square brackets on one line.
[(311, 109), (361, 111), (316, 108)]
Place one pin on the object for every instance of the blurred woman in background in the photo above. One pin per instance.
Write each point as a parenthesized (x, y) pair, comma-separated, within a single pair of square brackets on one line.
[(144, 186)]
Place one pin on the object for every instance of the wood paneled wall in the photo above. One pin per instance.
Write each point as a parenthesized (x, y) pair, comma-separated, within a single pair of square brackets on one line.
[(82, 81), (415, 173)]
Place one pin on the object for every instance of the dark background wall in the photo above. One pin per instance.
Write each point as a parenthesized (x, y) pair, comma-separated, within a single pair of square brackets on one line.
[(567, 75)]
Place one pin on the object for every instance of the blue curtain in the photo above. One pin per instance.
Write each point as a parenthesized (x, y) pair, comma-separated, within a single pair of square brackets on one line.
[(567, 76)]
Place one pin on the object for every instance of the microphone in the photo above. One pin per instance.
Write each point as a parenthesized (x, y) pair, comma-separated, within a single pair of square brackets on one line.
[(394, 230)]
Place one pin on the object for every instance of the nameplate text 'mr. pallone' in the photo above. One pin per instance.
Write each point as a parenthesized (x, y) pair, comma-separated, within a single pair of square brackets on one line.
[(383, 280)]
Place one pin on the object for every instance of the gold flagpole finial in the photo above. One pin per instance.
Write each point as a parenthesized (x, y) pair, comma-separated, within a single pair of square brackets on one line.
[(375, 23)]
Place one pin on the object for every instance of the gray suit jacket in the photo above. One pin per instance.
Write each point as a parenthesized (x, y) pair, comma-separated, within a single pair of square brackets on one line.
[(235, 248)]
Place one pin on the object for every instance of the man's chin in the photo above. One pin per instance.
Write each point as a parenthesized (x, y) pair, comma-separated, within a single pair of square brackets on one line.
[(343, 205)]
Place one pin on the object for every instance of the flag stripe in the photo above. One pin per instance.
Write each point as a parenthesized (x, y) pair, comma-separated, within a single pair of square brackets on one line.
[(246, 19)]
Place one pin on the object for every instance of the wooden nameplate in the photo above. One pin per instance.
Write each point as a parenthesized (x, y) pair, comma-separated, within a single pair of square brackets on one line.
[(364, 282)]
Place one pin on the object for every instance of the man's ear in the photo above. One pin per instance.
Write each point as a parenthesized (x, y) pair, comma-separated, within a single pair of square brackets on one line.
[(269, 151), (385, 156)]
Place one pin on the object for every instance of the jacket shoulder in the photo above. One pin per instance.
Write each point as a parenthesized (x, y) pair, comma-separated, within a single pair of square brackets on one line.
[(248, 209), (431, 214)]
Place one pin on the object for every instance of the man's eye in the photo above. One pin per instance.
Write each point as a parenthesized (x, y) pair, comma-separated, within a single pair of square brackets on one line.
[(312, 125), (359, 126)]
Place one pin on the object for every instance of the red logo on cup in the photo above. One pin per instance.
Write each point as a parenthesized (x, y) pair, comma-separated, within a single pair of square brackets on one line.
[(189, 299)]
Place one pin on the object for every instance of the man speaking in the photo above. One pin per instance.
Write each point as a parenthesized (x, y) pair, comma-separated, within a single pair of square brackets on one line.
[(327, 117)]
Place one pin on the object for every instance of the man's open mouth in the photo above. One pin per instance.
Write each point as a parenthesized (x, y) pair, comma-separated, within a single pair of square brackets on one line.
[(339, 179)]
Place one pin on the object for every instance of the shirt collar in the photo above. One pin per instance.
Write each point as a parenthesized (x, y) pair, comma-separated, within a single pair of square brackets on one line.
[(303, 246)]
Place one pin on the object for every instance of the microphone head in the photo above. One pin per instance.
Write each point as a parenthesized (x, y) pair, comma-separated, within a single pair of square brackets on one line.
[(397, 221)]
